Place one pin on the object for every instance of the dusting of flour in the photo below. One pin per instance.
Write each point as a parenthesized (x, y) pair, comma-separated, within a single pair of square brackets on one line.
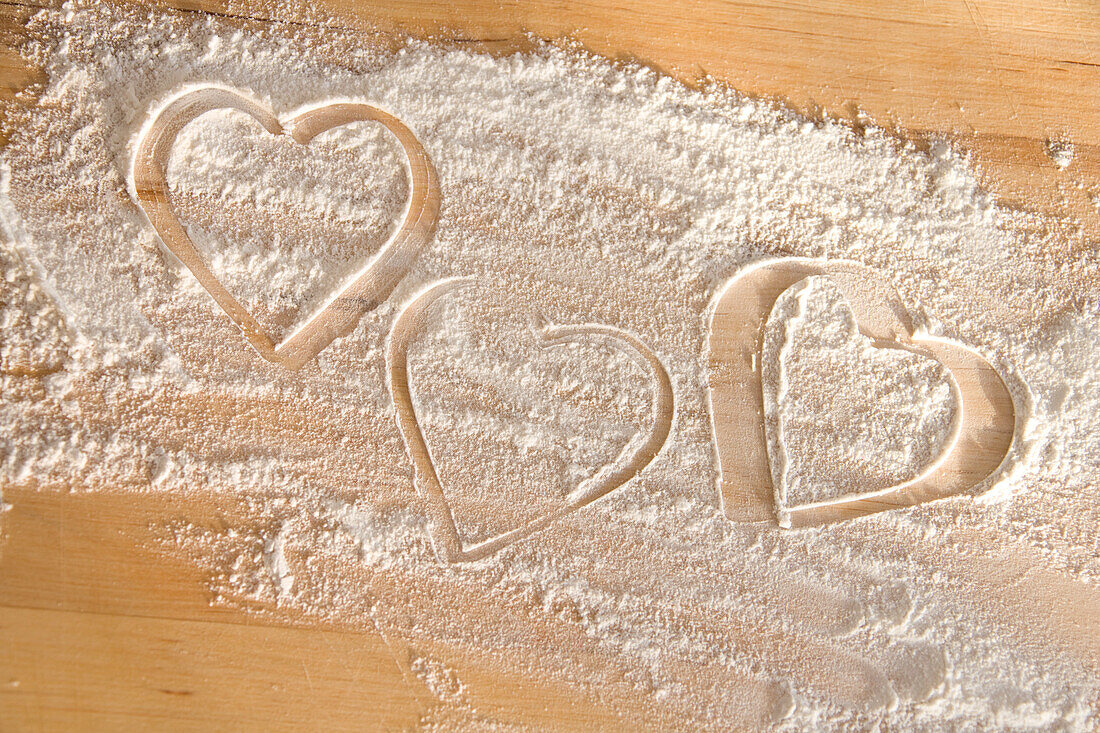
[(294, 238), (848, 417), (589, 193)]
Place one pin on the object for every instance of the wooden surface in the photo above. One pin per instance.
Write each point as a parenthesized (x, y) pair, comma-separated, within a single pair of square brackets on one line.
[(99, 630)]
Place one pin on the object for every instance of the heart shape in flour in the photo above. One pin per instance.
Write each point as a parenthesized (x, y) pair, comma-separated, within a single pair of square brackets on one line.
[(634, 457), (843, 415), (976, 444), (374, 281)]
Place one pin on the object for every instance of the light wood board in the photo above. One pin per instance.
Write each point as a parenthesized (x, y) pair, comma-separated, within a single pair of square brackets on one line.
[(99, 631)]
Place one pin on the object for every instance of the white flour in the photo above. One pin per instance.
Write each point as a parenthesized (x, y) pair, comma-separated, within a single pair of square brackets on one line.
[(833, 395), (296, 235), (588, 193)]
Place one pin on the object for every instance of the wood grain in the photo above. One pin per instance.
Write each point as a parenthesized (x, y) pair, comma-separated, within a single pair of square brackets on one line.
[(100, 632)]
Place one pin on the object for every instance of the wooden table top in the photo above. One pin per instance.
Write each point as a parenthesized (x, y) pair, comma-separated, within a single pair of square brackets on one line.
[(99, 631)]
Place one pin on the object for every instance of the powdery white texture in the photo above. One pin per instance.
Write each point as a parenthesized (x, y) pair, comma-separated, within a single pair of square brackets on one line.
[(283, 225), (35, 339), (594, 193), (538, 423), (848, 417)]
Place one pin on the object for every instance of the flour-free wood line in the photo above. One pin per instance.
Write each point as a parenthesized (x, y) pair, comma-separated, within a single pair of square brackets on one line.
[(67, 671), (95, 552)]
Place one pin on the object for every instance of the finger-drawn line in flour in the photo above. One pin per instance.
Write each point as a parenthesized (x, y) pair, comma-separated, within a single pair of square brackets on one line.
[(374, 281), (977, 443), (634, 457)]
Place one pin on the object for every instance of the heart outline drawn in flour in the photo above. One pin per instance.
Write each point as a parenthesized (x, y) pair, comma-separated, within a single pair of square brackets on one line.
[(634, 457), (374, 281), (977, 444)]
